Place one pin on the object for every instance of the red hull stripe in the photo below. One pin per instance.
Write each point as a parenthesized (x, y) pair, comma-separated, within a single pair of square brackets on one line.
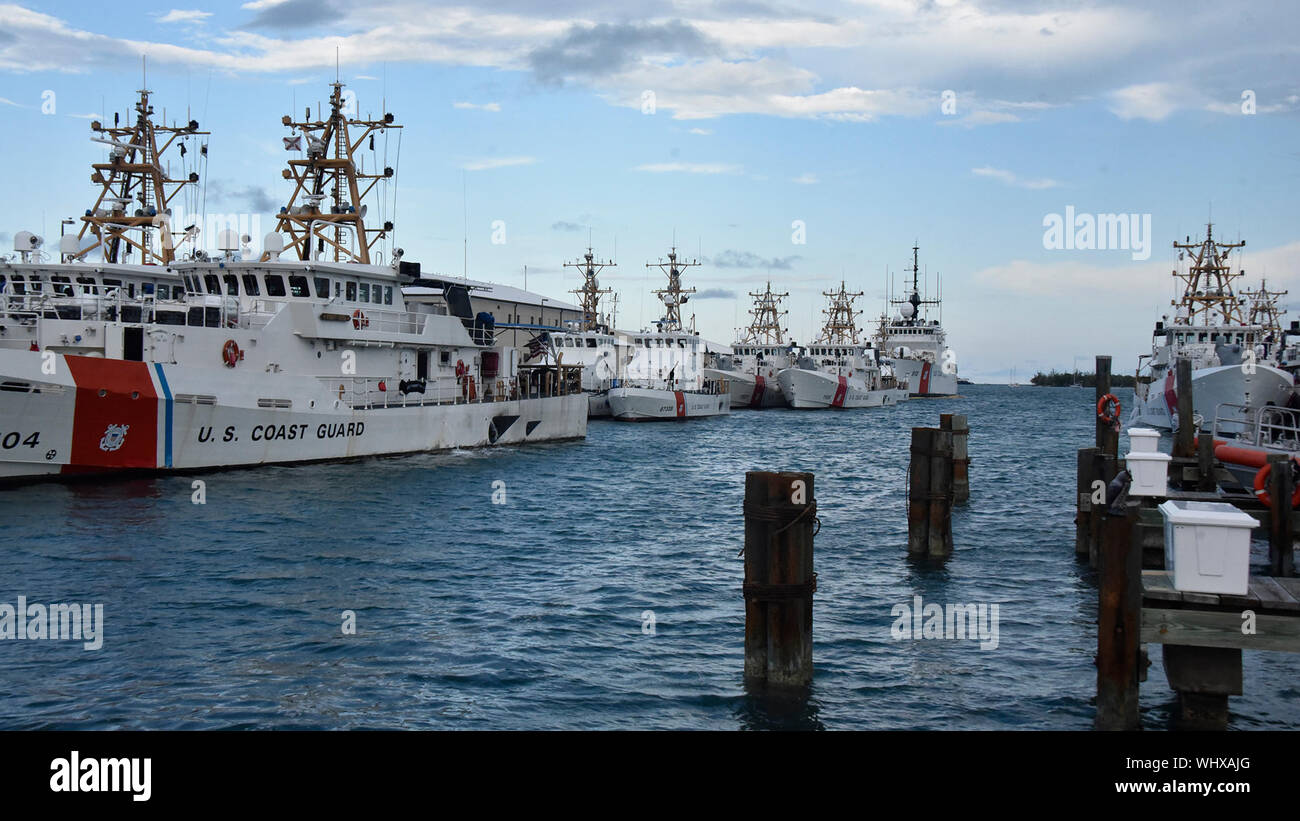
[(925, 377), (681, 404), (840, 391), (756, 400), (120, 428)]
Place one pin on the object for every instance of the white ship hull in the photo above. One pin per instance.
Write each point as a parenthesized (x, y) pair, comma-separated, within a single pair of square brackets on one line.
[(925, 378), (598, 405), (1157, 403), (749, 390), (649, 404), (804, 388), (95, 415)]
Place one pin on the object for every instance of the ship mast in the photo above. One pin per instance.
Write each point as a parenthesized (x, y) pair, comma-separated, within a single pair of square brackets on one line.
[(1208, 281), (674, 296), (841, 326), (914, 298), (1264, 310), (765, 328), (590, 292), (329, 171), (137, 191)]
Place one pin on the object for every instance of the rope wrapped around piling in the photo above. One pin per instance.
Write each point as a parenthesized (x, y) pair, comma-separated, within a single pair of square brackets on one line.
[(781, 514)]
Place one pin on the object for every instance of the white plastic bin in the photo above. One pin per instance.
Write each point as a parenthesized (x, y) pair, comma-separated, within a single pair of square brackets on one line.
[(1144, 440), (1150, 472), (1207, 546)]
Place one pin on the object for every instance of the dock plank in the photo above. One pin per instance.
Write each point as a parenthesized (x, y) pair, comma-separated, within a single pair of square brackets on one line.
[(1156, 584), (1273, 596), (1211, 628)]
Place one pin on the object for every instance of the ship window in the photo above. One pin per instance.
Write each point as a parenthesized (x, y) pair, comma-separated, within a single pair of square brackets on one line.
[(298, 286), (352, 292), (250, 285), (86, 280), (274, 285), (445, 357), (178, 293), (213, 284), (322, 287), (388, 295), (20, 287), (377, 294), (591, 343), (232, 285), (146, 288), (62, 285), (681, 343), (365, 292), (338, 290)]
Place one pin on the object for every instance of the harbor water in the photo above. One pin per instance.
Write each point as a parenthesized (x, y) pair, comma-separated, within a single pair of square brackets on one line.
[(583, 585)]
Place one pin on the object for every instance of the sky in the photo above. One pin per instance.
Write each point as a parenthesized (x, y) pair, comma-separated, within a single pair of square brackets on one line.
[(801, 144)]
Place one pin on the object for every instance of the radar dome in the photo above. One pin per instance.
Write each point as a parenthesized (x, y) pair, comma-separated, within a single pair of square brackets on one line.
[(907, 310)]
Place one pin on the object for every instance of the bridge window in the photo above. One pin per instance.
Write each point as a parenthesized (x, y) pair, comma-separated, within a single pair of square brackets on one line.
[(298, 286), (274, 285), (352, 292), (377, 294), (322, 287), (591, 343), (213, 284), (232, 284), (388, 295), (365, 292), (250, 285)]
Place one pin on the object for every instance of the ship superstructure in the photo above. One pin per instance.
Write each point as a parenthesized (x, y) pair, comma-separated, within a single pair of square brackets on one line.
[(1211, 328), (915, 344)]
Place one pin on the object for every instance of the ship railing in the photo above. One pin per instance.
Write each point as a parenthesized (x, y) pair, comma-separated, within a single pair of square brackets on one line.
[(370, 393), (391, 392), (1269, 426), (83, 302)]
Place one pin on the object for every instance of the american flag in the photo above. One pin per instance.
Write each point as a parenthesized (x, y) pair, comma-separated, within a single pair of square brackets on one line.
[(538, 345)]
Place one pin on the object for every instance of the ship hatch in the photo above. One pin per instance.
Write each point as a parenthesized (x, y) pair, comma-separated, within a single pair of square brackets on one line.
[(498, 426)]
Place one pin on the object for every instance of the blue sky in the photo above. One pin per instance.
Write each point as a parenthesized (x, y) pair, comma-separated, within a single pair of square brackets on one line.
[(765, 113)]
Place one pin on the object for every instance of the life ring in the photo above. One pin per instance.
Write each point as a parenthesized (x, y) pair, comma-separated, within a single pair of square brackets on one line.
[(1103, 413), (1261, 488), (230, 353), (359, 319), (460, 368)]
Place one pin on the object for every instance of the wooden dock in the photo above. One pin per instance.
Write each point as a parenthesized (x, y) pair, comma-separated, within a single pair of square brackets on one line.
[(1202, 635)]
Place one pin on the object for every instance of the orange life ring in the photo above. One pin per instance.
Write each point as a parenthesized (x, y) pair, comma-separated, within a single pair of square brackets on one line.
[(1261, 488), (1105, 414), (230, 353), (460, 368), (359, 320)]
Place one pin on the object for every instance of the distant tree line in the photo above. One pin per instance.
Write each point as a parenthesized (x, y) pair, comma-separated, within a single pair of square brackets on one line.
[(1057, 379)]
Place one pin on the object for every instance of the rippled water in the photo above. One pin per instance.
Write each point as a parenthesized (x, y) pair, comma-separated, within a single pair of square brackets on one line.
[(529, 614)]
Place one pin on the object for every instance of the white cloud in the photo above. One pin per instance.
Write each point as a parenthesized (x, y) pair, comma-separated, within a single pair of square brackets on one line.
[(191, 16), (978, 118), (1146, 101), (703, 132), (1013, 179), (806, 179), (486, 163), (479, 106), (689, 168), (7, 101)]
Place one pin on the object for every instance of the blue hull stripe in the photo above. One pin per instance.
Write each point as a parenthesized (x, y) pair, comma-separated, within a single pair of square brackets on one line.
[(167, 392)]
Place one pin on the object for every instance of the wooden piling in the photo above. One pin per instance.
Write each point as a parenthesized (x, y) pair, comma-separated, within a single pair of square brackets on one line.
[(1186, 411), (1281, 486), (1084, 509), (780, 516), (1119, 613), (1105, 467), (1107, 435), (929, 508), (956, 424), (1205, 461), (1203, 677)]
